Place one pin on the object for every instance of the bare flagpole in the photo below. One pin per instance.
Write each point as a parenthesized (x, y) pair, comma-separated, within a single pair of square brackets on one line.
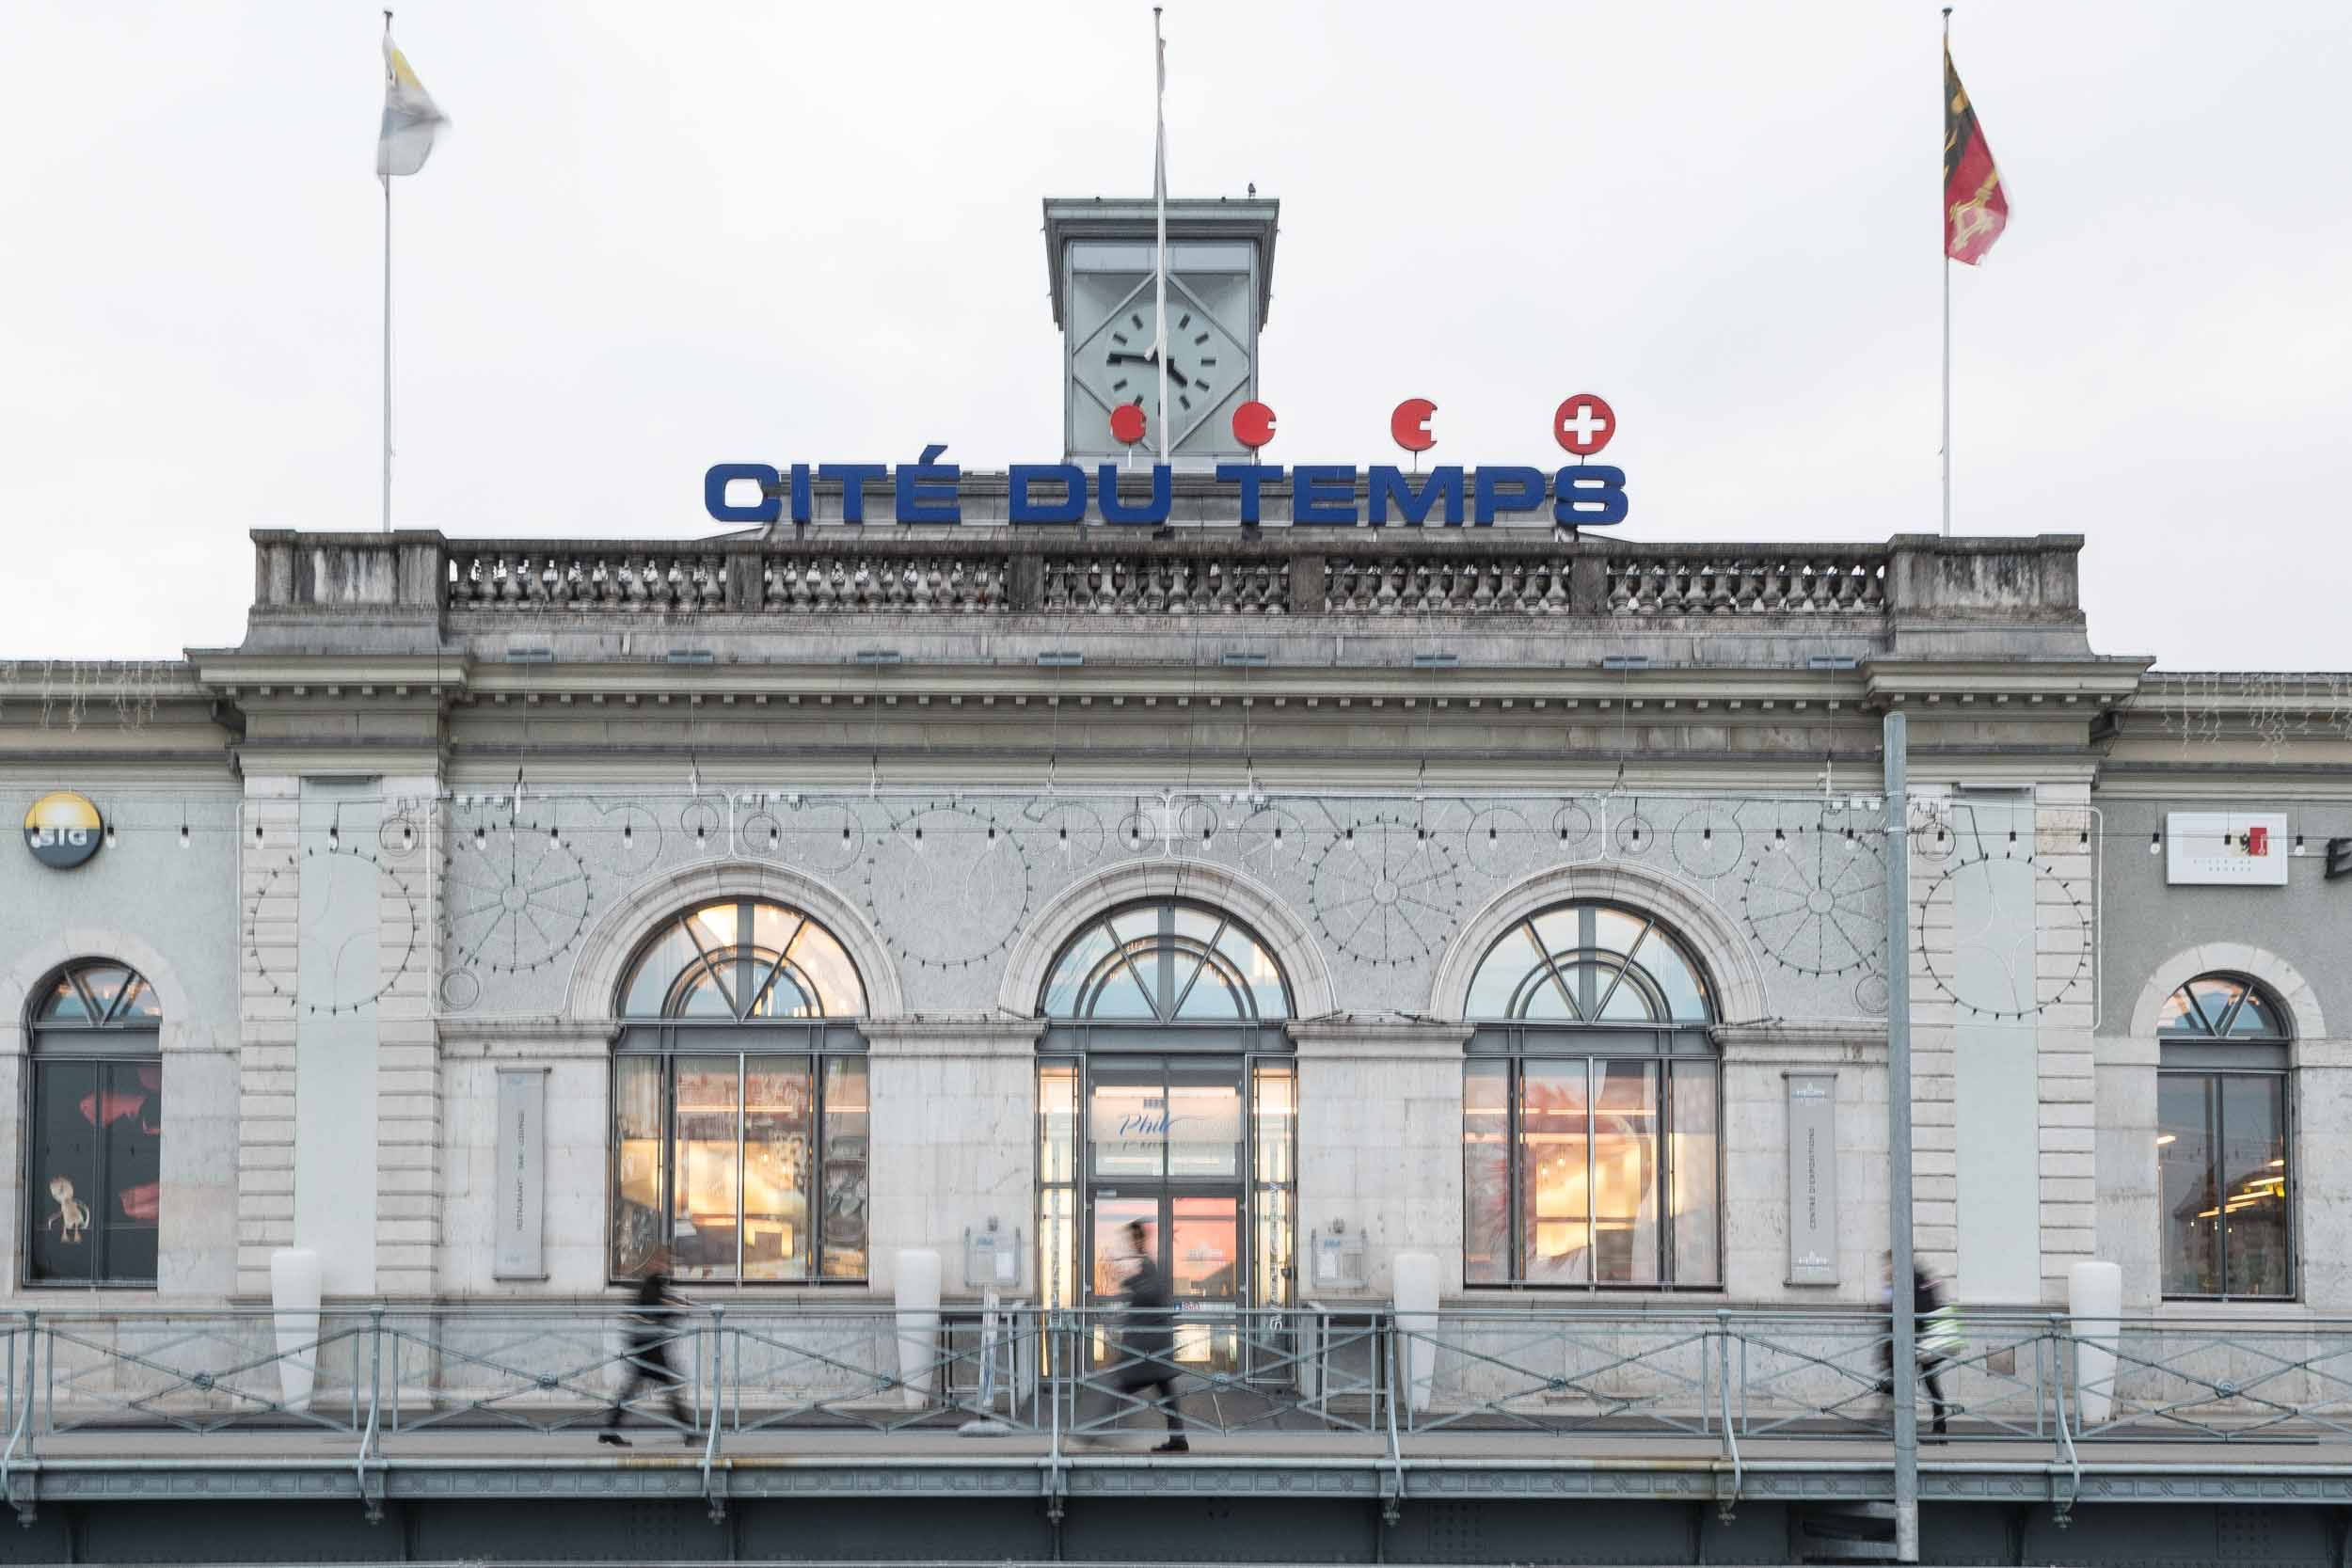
[(1944, 259), (1159, 202), (385, 179)]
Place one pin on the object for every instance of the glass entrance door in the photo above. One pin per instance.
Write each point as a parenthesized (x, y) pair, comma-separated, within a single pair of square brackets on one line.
[(1165, 1149)]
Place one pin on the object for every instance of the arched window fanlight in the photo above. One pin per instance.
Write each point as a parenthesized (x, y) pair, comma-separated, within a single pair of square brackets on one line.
[(97, 994), (1168, 961), (745, 960), (1589, 963), (2221, 1006)]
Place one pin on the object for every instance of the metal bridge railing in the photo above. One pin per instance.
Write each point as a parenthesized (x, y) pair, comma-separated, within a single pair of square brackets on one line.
[(1359, 1378)]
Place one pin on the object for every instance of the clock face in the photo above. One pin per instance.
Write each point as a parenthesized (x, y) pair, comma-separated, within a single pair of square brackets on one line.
[(1118, 362)]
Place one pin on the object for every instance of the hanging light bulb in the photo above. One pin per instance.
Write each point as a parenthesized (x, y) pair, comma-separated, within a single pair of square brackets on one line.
[(480, 839), (2156, 842), (184, 835), (552, 837)]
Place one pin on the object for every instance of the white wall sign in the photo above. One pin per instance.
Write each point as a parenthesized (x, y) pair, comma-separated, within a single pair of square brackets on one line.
[(519, 1249), (1812, 1177), (2235, 848)]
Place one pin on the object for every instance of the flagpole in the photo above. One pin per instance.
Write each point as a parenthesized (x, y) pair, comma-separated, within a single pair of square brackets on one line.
[(385, 180), (1944, 261), (1159, 201)]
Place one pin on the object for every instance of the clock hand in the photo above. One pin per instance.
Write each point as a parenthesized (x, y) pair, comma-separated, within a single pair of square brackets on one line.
[(1176, 375), (1117, 355)]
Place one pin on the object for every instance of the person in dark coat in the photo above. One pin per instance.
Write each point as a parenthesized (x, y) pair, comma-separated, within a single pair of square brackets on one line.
[(652, 1320), (1148, 1340)]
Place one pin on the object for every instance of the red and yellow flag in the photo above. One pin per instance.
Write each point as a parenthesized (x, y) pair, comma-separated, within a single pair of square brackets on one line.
[(1975, 209)]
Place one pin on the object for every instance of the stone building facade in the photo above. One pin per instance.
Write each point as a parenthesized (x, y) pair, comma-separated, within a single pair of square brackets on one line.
[(415, 835), (811, 895)]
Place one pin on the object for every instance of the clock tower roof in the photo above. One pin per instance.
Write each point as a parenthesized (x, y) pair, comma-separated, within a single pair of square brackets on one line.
[(1251, 221)]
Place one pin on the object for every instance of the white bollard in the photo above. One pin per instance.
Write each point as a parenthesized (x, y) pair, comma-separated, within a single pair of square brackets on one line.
[(917, 1271), (2094, 1296), (1413, 1277), (294, 1280)]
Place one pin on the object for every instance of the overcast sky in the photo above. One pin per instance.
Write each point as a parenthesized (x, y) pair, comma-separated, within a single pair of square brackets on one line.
[(665, 235)]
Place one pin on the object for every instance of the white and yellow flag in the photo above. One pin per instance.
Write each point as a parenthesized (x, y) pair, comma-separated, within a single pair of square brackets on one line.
[(411, 118)]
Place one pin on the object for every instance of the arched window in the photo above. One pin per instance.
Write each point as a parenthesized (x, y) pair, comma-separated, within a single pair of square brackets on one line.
[(1166, 1097), (2223, 1149), (1166, 962), (94, 1154), (739, 1119), (1590, 1107)]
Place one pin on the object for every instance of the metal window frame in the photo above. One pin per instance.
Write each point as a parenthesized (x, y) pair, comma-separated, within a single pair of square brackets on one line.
[(1591, 1045), (98, 1042), (2197, 1067)]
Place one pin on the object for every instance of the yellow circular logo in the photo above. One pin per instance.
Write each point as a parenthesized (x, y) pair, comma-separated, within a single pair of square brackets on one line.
[(63, 830)]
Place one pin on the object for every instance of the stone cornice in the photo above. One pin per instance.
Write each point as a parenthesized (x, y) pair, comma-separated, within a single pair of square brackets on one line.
[(1352, 1039)]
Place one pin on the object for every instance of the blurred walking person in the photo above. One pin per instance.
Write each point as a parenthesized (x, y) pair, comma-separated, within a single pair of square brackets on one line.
[(652, 1320), (1936, 1331), (1148, 1337)]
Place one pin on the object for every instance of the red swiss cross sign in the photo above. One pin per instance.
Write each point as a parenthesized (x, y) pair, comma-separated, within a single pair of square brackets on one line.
[(1584, 424)]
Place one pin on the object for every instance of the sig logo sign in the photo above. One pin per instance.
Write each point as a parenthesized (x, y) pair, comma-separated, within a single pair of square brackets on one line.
[(63, 830)]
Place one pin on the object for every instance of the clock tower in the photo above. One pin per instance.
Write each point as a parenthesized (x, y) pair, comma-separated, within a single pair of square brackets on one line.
[(1220, 267)]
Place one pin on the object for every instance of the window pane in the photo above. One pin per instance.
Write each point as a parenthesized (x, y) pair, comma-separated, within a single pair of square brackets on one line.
[(1625, 1173), (714, 926), (1273, 1110), (105, 983), (130, 1112), (1123, 990), (1628, 1004), (1690, 1166), (2192, 1209), (1486, 1173), (1260, 974), (819, 957), (1686, 997), (1209, 993), (2253, 1167), (1506, 964), (139, 1002), (2257, 1020), (2180, 1016), (773, 927), (1203, 1122), (1058, 1167), (1064, 988), (64, 1004), (780, 995), (1127, 1123), (2214, 995), (64, 1173), (703, 1202), (649, 986), (636, 1161), (702, 995), (1556, 1230), (1615, 931), (845, 1177), (777, 1165)]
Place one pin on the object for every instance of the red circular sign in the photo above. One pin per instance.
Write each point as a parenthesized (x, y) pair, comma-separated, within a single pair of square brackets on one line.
[(1253, 425), (1127, 424), (1408, 427), (1584, 424)]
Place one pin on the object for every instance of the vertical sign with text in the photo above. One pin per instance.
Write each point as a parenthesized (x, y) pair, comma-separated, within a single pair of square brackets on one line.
[(519, 1186), (1812, 1177)]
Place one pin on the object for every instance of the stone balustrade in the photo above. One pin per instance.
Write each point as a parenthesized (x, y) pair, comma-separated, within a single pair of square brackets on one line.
[(424, 579)]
